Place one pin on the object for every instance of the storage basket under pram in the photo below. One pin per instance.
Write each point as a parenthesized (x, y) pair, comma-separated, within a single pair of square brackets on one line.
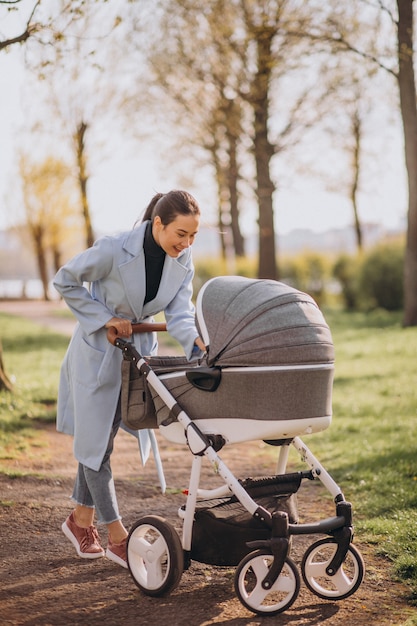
[(267, 375)]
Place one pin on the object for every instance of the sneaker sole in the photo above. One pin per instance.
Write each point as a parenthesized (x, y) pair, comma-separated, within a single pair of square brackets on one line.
[(84, 555), (113, 557)]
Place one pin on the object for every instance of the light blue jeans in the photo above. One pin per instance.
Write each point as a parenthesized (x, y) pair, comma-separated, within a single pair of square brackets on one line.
[(95, 489)]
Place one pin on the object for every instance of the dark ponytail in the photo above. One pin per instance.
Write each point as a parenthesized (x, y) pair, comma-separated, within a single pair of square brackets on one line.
[(169, 205), (148, 215)]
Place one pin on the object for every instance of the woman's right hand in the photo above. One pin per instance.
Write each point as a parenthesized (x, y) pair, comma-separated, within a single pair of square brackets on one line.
[(123, 326)]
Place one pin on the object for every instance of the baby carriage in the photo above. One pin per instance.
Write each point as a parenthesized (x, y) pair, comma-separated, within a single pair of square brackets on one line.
[(267, 375)]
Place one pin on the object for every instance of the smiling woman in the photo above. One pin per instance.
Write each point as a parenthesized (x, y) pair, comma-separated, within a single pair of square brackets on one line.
[(133, 276)]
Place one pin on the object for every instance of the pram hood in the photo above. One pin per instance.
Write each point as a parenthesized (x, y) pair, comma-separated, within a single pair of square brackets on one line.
[(252, 322)]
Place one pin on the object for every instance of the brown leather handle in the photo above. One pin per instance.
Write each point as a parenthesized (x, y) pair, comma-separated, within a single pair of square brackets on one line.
[(139, 327), (149, 327)]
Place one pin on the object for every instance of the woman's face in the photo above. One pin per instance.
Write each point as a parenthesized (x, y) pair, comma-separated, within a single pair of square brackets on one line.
[(177, 235)]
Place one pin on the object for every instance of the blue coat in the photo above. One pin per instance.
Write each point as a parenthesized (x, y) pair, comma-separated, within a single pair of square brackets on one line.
[(91, 371)]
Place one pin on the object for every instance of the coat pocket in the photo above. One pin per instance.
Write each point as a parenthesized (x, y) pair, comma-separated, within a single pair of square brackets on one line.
[(86, 362)]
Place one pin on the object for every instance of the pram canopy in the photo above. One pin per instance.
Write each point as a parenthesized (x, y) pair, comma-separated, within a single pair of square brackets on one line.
[(268, 372), (248, 322)]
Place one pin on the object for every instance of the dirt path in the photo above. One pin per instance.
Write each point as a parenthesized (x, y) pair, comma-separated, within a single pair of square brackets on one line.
[(44, 583)]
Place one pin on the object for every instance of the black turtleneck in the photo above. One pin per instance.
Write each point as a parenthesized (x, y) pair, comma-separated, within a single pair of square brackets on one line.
[(154, 263)]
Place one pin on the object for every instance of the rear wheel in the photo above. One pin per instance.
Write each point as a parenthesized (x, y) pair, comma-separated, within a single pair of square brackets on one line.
[(249, 575), (155, 556), (345, 581)]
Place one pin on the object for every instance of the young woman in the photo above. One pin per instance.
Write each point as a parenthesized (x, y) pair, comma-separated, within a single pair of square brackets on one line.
[(132, 276)]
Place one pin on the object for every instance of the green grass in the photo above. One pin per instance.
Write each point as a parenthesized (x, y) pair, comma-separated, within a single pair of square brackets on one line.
[(32, 358), (370, 448)]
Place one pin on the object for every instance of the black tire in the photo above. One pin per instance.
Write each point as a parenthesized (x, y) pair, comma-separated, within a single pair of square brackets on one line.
[(155, 556), (344, 583), (248, 578)]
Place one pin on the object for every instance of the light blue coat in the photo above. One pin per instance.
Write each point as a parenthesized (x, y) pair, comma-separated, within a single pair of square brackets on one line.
[(91, 371)]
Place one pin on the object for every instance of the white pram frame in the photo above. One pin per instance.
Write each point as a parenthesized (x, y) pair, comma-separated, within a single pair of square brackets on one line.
[(267, 581)]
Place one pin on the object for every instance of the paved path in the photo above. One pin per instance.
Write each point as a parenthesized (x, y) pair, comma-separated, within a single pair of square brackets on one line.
[(55, 316), (52, 315)]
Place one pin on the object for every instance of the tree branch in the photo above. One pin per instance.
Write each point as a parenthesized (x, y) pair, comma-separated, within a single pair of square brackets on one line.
[(29, 30)]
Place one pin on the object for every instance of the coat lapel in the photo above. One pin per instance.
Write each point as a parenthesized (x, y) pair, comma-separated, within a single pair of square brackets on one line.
[(172, 277), (132, 272)]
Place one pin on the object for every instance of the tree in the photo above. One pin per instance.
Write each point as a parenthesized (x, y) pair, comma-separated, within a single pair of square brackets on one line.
[(350, 128), (341, 30), (408, 105), (189, 87), (223, 65), (5, 382), (30, 28), (48, 195), (48, 34), (64, 55)]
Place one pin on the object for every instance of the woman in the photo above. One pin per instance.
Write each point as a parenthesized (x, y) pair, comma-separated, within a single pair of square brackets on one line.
[(132, 277)]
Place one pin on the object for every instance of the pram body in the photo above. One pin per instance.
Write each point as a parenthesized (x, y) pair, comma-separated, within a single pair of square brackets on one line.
[(267, 375)]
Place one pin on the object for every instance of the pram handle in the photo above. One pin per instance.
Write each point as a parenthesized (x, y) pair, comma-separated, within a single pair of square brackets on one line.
[(138, 327)]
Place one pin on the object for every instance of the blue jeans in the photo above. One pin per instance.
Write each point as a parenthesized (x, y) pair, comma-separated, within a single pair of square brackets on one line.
[(95, 489)]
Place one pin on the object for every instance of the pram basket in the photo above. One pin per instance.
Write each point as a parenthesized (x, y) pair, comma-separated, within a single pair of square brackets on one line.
[(267, 375)]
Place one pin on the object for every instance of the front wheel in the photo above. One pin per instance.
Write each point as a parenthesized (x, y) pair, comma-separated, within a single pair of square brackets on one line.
[(249, 575), (345, 581), (155, 556)]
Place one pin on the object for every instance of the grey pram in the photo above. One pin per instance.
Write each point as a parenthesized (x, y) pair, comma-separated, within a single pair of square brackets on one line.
[(267, 375)]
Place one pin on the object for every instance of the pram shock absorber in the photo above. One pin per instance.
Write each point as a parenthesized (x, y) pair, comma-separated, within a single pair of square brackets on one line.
[(267, 375)]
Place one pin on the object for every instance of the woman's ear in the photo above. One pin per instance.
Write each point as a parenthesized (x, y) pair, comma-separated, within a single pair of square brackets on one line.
[(156, 228)]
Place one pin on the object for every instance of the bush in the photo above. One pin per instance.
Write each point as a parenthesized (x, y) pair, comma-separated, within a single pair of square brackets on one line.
[(207, 268), (346, 272), (381, 277), (308, 272)]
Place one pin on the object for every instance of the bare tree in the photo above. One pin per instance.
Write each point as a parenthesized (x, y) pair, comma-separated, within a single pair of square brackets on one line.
[(194, 96), (222, 64), (47, 33), (30, 28), (408, 104), (341, 30), (79, 140)]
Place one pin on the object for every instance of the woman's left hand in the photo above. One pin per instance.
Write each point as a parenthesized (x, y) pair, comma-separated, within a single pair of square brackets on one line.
[(198, 342)]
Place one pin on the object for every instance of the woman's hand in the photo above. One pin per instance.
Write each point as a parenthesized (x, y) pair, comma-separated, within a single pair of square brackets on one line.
[(123, 326), (198, 342)]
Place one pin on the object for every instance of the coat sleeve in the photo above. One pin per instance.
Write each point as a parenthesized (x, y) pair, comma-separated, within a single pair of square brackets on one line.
[(71, 280)]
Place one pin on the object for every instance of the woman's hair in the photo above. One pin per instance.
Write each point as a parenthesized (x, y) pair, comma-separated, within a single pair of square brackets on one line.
[(169, 205)]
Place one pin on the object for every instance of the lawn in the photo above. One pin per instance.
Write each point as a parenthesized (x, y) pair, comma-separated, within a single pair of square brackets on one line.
[(370, 448)]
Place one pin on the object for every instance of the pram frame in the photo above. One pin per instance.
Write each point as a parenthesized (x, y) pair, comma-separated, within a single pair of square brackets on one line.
[(339, 527)]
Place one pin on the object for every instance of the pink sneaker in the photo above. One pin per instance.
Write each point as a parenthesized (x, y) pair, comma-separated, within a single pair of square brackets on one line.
[(85, 540), (117, 552)]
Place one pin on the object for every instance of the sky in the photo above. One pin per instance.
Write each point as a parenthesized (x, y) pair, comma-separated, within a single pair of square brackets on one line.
[(121, 186)]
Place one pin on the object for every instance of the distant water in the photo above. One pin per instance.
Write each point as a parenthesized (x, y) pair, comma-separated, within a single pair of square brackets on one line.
[(31, 289)]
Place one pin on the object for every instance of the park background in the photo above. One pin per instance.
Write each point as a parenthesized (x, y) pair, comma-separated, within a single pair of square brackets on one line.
[(103, 104)]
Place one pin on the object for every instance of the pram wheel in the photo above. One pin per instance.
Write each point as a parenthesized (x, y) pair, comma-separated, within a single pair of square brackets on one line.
[(248, 584), (154, 555), (346, 580)]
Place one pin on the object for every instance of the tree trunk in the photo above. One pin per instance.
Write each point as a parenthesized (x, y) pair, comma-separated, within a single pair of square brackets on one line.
[(407, 89), (238, 241), (83, 179), (264, 151), (38, 233), (355, 182), (5, 383)]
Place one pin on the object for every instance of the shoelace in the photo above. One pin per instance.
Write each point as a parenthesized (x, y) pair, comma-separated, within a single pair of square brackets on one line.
[(91, 537)]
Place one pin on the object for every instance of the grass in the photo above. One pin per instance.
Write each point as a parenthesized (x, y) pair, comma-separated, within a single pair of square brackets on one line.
[(32, 359), (370, 449)]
